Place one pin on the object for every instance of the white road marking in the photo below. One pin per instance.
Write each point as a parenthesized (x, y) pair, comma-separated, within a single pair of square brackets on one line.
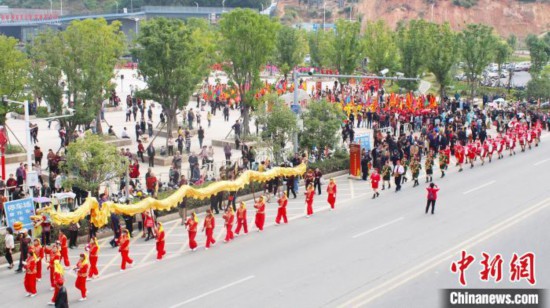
[(379, 227), (479, 187), (212, 292), (351, 188), (541, 162), (428, 265)]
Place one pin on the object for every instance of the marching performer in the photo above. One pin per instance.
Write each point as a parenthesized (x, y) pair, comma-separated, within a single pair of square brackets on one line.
[(386, 175), (209, 225), (512, 144), (501, 144), (39, 252), (81, 274), (492, 146), (429, 167), (64, 249), (191, 224), (374, 180), (229, 217), (331, 190), (459, 154), (281, 210), (260, 213), (58, 278), (53, 255), (415, 170), (310, 193), (160, 241), (30, 273), (124, 249), (471, 152), (241, 219), (405, 162), (93, 250), (442, 162)]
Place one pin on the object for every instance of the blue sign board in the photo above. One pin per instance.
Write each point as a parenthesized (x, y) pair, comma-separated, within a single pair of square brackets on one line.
[(363, 141), (20, 210)]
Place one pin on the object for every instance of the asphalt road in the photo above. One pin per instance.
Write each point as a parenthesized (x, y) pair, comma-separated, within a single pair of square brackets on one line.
[(373, 253)]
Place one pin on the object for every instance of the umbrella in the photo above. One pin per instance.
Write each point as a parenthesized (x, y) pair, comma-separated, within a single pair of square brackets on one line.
[(289, 97), (499, 100)]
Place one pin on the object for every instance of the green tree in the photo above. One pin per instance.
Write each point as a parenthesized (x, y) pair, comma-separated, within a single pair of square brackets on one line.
[(412, 41), (380, 47), (442, 54), (14, 66), (477, 44), (503, 51), (322, 122), (91, 49), (90, 162), (539, 87), (291, 47), (280, 123), (540, 53), (174, 57), (248, 40), (46, 54), (320, 48), (346, 54), (512, 41)]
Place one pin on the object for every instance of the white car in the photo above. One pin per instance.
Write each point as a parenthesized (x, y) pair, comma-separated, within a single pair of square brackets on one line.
[(307, 59)]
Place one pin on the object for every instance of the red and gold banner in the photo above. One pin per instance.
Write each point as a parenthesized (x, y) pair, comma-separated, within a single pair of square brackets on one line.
[(355, 159)]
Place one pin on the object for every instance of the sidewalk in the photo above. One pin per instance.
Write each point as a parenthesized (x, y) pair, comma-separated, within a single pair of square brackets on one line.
[(49, 138)]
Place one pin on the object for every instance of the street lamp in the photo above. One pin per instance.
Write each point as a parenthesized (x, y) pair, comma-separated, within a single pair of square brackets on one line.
[(132, 6), (197, 6), (137, 25), (324, 14), (223, 6), (116, 2), (51, 7)]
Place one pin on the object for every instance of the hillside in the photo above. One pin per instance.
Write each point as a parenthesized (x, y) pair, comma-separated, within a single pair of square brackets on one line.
[(506, 16)]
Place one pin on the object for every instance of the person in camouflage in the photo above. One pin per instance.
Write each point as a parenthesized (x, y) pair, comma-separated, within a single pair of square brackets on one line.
[(415, 170), (386, 175), (429, 167), (442, 162)]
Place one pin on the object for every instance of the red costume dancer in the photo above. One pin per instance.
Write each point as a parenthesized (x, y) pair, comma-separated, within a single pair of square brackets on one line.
[(260, 214), (30, 273), (93, 250), (53, 255), (492, 145), (471, 154), (281, 210), (310, 193), (241, 219), (160, 241), (512, 144), (64, 249), (58, 272), (81, 274), (331, 190), (192, 223), (39, 251), (459, 154), (374, 180), (229, 217), (124, 249), (209, 225), (501, 145)]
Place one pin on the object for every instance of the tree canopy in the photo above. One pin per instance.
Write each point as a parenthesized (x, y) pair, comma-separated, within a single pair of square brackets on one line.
[(380, 47), (90, 162), (174, 56), (442, 54), (291, 48), (247, 41), (322, 121), (14, 66)]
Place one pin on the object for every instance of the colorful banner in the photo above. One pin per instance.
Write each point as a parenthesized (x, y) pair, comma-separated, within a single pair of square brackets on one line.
[(355, 159)]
